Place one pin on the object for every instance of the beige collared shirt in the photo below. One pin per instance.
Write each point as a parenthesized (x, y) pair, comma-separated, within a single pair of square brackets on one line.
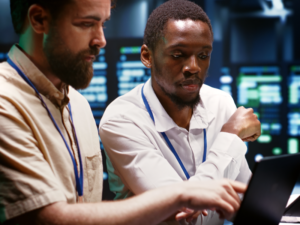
[(35, 166)]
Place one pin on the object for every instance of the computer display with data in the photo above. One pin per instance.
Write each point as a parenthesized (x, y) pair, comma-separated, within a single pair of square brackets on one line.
[(293, 115), (130, 70), (260, 88)]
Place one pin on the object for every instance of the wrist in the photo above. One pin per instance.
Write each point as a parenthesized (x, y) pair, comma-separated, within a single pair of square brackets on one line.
[(182, 199), (230, 128)]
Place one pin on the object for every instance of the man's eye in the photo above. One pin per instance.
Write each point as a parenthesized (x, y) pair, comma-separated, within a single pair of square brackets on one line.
[(176, 55), (203, 56), (87, 24)]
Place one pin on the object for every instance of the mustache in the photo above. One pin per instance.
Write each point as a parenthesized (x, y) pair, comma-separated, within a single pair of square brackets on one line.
[(190, 81), (91, 51)]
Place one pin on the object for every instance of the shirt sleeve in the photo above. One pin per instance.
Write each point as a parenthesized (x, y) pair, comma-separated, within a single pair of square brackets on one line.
[(27, 181), (226, 157)]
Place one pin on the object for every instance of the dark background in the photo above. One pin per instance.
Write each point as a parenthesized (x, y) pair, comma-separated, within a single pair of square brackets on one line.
[(256, 58)]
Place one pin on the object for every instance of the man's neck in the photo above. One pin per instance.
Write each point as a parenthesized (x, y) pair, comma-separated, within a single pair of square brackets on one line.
[(181, 117), (37, 57)]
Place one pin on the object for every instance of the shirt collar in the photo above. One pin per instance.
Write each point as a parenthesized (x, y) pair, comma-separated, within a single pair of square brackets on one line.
[(40, 81), (163, 122), (201, 116)]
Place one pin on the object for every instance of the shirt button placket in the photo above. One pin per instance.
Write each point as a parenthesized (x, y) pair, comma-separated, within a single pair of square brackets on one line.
[(190, 140)]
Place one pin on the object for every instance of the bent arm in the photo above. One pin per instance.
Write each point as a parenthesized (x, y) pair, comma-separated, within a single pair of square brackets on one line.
[(226, 156)]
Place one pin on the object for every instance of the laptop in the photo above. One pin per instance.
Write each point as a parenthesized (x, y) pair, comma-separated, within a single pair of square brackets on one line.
[(268, 191)]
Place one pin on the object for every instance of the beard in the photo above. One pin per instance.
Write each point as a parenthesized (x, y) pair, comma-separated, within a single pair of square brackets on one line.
[(70, 68), (177, 100)]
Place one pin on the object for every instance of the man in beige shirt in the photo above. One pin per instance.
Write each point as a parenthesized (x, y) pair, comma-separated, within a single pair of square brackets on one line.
[(58, 43)]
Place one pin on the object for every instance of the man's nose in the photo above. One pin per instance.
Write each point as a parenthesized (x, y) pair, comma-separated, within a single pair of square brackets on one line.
[(191, 66), (99, 40)]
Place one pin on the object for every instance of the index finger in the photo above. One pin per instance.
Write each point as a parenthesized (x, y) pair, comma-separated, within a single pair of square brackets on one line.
[(238, 186)]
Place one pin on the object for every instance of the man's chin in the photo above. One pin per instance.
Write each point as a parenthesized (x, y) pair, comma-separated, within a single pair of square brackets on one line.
[(80, 86), (189, 96), (78, 78), (185, 101)]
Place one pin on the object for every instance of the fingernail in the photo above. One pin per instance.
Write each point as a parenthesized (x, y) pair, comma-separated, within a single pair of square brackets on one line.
[(178, 218), (187, 210), (181, 214)]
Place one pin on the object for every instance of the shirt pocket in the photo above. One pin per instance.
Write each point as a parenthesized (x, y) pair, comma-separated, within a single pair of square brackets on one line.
[(94, 173)]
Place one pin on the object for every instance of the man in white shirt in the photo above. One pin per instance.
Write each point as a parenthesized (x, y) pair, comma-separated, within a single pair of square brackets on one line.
[(165, 131)]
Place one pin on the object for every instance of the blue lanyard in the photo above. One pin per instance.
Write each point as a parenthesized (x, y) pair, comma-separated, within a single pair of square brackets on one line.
[(168, 141), (79, 179)]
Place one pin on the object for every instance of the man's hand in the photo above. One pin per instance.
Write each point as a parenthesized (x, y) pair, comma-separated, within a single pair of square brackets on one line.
[(189, 215), (220, 196), (243, 123)]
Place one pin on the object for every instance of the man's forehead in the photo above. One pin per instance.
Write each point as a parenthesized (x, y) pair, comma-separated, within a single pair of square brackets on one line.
[(186, 25), (185, 30), (97, 8)]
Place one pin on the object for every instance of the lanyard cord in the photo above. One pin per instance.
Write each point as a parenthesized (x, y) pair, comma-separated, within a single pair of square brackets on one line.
[(78, 179), (168, 141)]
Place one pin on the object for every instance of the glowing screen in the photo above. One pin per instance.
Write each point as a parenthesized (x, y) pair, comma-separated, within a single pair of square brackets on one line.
[(226, 80), (294, 109), (130, 70), (260, 88)]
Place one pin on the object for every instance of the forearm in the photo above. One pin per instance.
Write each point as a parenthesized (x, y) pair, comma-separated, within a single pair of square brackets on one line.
[(149, 208), (223, 160)]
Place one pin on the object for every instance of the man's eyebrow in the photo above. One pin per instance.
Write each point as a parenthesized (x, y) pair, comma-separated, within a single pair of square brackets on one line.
[(176, 46), (209, 47), (97, 18), (91, 17)]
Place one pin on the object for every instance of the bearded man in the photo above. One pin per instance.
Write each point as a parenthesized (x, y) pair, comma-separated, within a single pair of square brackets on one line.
[(174, 127), (49, 147)]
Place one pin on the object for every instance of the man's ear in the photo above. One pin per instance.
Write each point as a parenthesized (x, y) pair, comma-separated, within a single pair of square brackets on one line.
[(146, 56), (39, 19)]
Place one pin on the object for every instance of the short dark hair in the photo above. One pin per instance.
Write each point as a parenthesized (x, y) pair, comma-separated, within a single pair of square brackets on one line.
[(172, 9), (19, 9)]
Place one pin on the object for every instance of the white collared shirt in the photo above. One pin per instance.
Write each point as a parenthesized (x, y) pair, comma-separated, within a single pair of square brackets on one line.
[(139, 158)]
